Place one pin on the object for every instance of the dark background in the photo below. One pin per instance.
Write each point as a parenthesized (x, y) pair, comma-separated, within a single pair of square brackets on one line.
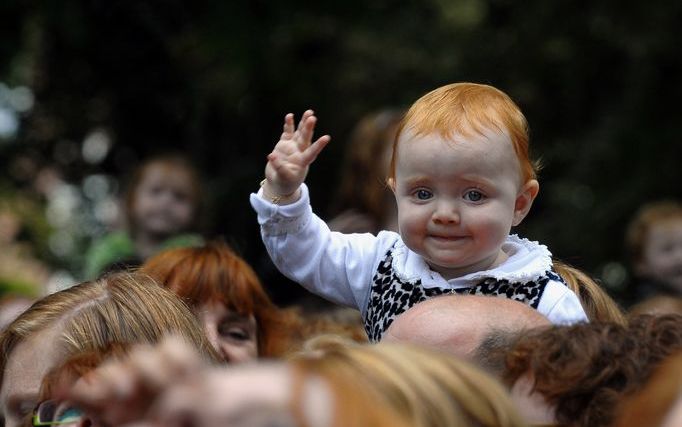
[(599, 82)]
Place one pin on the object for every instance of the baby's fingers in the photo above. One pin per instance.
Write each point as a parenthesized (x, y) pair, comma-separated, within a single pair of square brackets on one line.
[(288, 128), (306, 131), (310, 154), (304, 117)]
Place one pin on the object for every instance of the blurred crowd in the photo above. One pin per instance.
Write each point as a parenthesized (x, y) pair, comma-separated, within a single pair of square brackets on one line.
[(170, 327)]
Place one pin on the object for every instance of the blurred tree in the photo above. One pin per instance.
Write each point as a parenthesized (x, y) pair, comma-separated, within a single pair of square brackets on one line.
[(597, 80)]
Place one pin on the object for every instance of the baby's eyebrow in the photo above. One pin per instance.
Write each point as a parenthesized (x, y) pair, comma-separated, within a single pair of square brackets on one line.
[(477, 179), (416, 181)]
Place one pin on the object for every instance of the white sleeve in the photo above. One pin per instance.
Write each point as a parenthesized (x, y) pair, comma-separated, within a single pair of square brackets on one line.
[(336, 266), (561, 305)]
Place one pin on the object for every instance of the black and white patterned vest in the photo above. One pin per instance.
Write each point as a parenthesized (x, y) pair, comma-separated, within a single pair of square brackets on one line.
[(391, 296)]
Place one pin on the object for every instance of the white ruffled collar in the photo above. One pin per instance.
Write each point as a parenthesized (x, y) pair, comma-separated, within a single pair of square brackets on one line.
[(527, 261)]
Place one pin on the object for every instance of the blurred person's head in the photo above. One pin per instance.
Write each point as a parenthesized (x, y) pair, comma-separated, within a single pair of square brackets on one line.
[(476, 328), (598, 305), (171, 386), (52, 407), (659, 403), (164, 197), (659, 304), (424, 387), (654, 241), (227, 297), (333, 383), (580, 373), (273, 394), (341, 321), (119, 308), (363, 178)]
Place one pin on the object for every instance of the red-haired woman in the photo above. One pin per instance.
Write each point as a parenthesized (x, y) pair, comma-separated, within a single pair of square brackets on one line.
[(226, 296)]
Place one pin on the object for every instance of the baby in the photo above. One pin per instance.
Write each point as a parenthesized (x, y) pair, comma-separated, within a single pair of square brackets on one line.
[(462, 177)]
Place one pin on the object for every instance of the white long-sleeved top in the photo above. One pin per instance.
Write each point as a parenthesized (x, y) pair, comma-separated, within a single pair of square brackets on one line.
[(382, 277)]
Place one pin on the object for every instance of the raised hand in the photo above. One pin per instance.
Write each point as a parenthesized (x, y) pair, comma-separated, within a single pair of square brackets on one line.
[(289, 161)]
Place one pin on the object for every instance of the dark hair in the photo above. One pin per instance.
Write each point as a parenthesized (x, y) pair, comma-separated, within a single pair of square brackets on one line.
[(491, 352), (363, 180)]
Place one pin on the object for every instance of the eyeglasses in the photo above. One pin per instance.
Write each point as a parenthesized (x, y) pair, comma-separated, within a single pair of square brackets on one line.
[(54, 413)]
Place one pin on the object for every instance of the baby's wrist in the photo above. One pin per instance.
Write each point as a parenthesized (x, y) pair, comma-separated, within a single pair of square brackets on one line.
[(277, 198)]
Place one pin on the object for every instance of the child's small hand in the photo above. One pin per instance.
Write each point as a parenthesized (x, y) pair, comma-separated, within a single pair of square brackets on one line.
[(289, 161)]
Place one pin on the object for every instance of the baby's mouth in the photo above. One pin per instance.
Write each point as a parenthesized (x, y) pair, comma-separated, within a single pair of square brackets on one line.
[(446, 237)]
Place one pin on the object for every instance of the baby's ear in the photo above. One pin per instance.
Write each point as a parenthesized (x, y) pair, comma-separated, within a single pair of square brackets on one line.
[(390, 182), (524, 200)]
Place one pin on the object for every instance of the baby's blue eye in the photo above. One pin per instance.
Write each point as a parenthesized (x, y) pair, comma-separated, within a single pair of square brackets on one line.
[(423, 194), (473, 196)]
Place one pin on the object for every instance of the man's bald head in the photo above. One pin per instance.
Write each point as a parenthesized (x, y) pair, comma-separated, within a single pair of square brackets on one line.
[(461, 324)]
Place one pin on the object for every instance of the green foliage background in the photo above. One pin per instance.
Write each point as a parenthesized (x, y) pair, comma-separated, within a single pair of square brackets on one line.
[(599, 82)]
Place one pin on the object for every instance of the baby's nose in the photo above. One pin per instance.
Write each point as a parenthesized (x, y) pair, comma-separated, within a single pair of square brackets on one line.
[(446, 213)]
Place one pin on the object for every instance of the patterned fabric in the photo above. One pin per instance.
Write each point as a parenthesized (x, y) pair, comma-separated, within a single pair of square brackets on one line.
[(391, 296)]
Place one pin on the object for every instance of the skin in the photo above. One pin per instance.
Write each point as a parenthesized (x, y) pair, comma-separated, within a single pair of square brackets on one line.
[(26, 366), (531, 405), (169, 385), (466, 320), (662, 255), (674, 417), (163, 204), (458, 199), (290, 160), (233, 335), (253, 396)]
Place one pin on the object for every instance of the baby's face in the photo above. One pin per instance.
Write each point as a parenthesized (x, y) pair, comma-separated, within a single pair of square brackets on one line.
[(457, 199), (662, 257), (163, 202)]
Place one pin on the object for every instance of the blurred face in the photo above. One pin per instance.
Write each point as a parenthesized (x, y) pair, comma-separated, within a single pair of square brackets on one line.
[(163, 203), (233, 335), (531, 405), (24, 372), (662, 258), (674, 416), (457, 200)]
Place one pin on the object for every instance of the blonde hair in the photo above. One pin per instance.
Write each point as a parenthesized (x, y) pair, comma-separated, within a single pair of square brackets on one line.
[(118, 308), (598, 305), (424, 387), (461, 108)]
